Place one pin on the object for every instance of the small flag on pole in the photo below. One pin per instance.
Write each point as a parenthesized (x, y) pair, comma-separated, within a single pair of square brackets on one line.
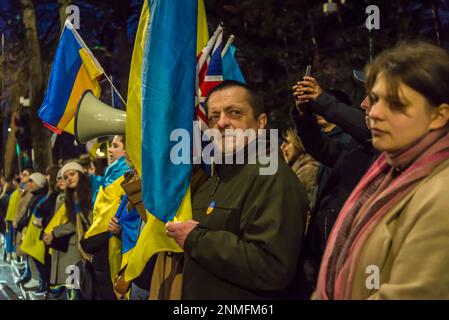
[(74, 70)]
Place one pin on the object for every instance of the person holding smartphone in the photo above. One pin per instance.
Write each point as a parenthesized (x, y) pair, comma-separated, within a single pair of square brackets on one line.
[(347, 161)]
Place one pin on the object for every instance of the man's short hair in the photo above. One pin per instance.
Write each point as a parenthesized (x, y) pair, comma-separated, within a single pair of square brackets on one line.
[(254, 100)]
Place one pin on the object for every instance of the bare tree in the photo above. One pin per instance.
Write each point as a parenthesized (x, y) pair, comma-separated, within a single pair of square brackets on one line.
[(63, 4), (40, 136)]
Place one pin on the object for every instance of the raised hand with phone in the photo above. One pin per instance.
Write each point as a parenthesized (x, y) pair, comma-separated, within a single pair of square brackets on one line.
[(306, 90)]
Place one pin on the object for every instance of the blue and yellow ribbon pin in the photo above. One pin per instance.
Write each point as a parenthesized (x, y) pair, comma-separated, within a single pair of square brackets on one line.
[(211, 207)]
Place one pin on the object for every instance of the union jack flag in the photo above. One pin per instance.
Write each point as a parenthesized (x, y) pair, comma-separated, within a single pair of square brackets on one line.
[(209, 74)]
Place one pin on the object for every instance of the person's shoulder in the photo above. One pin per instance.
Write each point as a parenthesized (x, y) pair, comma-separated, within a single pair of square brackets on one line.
[(436, 182), (429, 197)]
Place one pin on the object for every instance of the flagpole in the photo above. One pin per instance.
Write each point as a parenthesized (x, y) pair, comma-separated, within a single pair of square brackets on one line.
[(228, 44), (115, 89), (204, 55), (210, 45), (83, 44), (112, 94)]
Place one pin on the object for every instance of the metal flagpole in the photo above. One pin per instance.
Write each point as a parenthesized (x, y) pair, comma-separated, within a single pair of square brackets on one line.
[(112, 93), (228, 44)]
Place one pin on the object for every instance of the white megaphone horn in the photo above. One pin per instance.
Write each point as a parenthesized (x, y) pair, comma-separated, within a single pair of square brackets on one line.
[(94, 119)]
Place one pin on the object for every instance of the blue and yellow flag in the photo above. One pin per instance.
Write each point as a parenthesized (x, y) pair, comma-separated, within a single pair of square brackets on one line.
[(168, 82), (129, 222), (74, 71), (163, 68)]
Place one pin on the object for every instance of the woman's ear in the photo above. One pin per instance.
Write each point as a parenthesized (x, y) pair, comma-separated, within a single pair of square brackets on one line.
[(440, 117)]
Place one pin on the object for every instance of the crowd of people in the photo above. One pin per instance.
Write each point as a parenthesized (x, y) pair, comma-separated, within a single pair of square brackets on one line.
[(355, 210)]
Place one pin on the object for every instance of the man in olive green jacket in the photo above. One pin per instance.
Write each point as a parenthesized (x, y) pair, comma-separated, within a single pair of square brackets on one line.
[(245, 239)]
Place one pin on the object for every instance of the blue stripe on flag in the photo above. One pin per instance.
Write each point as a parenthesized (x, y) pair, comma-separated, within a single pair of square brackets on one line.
[(65, 68), (168, 86)]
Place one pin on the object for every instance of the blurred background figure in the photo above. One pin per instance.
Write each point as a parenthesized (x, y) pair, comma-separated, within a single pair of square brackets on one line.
[(304, 166)]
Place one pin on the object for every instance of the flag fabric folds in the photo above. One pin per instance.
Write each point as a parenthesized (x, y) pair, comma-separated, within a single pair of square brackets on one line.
[(74, 71), (32, 244), (168, 81), (134, 103), (113, 172), (129, 222), (108, 197), (106, 203), (59, 218), (170, 51)]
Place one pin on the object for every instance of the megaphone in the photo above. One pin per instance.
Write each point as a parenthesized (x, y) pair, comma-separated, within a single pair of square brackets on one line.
[(94, 119)]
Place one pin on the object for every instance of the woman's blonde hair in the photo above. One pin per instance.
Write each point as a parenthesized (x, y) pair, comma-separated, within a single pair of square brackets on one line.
[(290, 133)]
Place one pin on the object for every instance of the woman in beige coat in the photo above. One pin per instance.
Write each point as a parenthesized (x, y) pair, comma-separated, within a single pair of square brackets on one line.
[(391, 238), (304, 166)]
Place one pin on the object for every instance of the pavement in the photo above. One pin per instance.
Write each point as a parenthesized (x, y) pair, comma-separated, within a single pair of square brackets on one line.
[(8, 289)]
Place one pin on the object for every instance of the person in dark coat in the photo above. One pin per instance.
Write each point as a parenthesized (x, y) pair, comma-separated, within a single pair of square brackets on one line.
[(246, 237), (42, 215), (349, 161)]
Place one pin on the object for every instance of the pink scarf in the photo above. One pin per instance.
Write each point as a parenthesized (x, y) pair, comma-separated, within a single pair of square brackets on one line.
[(375, 195)]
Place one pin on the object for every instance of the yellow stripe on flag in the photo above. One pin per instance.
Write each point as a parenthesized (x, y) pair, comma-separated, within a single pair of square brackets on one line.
[(91, 64), (106, 205), (115, 257), (203, 32), (134, 103), (153, 239), (32, 244), (59, 218), (82, 83), (13, 206)]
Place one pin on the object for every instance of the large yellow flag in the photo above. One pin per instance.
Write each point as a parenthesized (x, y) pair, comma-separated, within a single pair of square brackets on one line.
[(59, 218), (106, 205), (134, 104), (152, 238), (32, 244)]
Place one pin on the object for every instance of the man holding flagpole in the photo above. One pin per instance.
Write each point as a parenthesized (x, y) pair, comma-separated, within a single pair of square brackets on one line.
[(244, 241)]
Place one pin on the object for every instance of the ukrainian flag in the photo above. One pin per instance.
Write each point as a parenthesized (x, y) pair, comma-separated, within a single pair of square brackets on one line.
[(129, 222), (108, 198), (74, 71), (160, 99), (107, 202)]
